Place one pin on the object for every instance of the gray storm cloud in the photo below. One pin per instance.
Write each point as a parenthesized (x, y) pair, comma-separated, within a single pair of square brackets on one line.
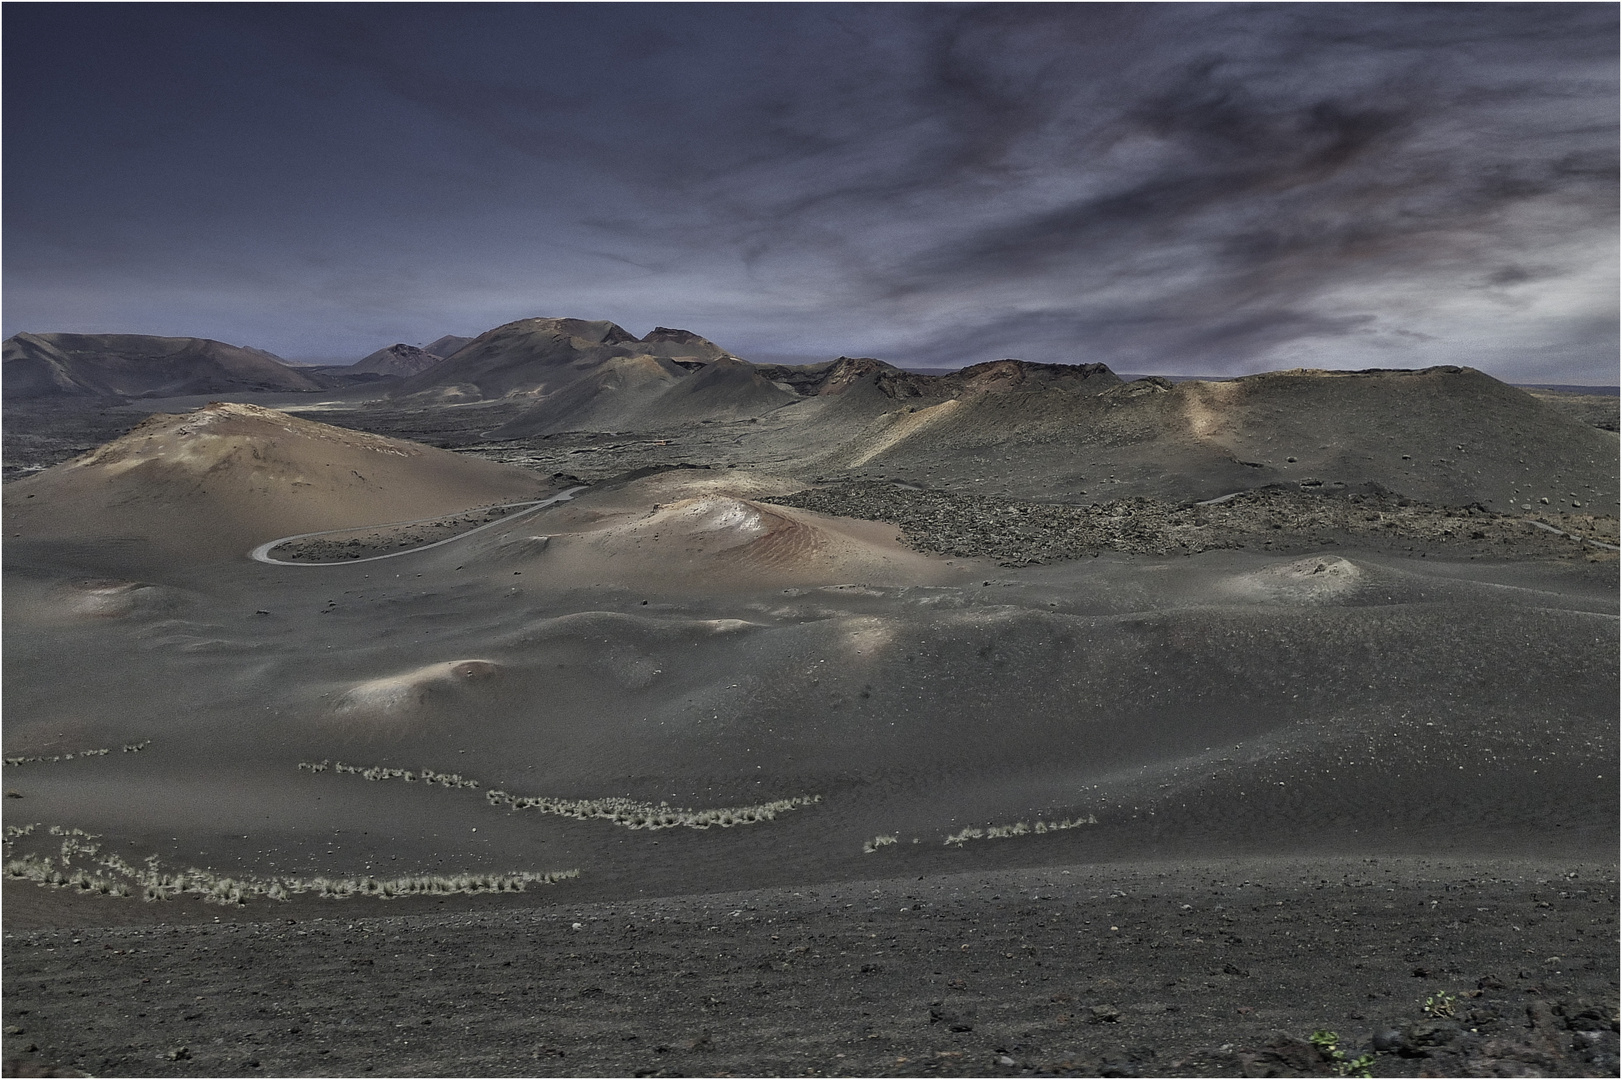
[(1160, 187)]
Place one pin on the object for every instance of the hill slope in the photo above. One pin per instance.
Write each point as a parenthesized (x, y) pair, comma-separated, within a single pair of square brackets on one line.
[(540, 356), (573, 375), (1447, 435), (215, 482)]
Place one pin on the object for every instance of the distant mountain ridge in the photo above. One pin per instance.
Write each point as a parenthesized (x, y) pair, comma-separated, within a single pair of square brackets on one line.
[(40, 366), (575, 374), (1447, 435)]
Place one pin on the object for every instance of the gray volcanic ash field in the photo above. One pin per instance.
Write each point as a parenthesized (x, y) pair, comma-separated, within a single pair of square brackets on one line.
[(816, 720)]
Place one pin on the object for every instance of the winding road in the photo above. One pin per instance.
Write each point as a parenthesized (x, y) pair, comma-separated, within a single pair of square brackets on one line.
[(262, 552)]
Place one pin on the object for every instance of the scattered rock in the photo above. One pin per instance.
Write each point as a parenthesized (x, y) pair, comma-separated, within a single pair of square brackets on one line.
[(1126, 1063), (1284, 1055), (954, 1021), (1104, 1014), (1427, 1036)]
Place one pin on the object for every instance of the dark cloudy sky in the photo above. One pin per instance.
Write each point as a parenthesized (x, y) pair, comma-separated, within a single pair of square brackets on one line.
[(1160, 187)]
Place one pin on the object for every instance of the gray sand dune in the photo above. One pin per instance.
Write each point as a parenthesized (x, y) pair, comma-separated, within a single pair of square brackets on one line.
[(397, 699), (76, 600), (1323, 578)]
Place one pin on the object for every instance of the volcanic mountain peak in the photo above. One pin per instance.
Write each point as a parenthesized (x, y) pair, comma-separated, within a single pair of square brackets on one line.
[(543, 356), (998, 376), (683, 346), (666, 333), (847, 371), (139, 365), (397, 360), (590, 331), (446, 346)]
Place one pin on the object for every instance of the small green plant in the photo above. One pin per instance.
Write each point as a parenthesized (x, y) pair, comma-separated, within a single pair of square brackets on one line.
[(1328, 1044), (1439, 1005)]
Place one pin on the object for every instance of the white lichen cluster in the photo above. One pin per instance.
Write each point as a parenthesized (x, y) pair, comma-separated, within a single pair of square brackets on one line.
[(635, 815), (1019, 828), (112, 875), (384, 772), (129, 748), (877, 842)]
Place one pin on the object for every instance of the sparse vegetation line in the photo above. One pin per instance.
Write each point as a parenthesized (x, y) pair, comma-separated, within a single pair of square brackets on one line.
[(383, 772), (636, 815), (1018, 828), (112, 875), (129, 748), (627, 813)]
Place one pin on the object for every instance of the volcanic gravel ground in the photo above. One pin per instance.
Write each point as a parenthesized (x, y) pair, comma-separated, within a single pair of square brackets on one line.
[(1276, 520), (1138, 969), (42, 435)]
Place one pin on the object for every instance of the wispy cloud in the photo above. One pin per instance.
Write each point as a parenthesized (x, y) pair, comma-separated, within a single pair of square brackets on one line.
[(1162, 187)]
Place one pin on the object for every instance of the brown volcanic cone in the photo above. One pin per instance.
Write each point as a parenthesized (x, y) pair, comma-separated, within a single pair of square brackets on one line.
[(690, 532), (220, 480)]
